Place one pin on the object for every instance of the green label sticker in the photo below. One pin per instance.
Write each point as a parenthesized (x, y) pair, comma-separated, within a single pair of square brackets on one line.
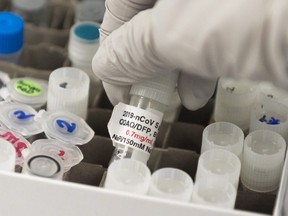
[(28, 87)]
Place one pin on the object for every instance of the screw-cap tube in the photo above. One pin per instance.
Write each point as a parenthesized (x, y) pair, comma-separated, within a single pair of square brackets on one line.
[(263, 159)]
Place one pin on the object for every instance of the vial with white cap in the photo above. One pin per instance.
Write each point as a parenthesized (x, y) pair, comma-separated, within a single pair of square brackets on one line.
[(43, 165), (234, 99), (223, 135), (11, 36), (68, 90), (128, 176), (263, 159), (82, 46), (7, 156), (92, 10), (270, 115), (31, 10), (133, 128), (171, 183), (70, 155)]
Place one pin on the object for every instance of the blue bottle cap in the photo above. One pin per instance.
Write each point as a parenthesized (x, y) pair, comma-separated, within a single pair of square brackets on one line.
[(11, 32), (87, 31)]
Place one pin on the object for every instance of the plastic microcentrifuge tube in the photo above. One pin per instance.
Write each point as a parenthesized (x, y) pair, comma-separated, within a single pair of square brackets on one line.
[(68, 90), (223, 135), (270, 115), (219, 164), (43, 165), (129, 176), (213, 192), (92, 10), (7, 156), (133, 128), (11, 36), (70, 155), (82, 46), (20, 118), (31, 10), (234, 99), (263, 159), (171, 183)]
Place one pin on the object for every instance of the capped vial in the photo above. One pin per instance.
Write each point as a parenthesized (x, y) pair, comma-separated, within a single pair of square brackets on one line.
[(28, 90), (263, 159), (133, 128), (68, 90), (11, 36), (234, 100), (270, 115), (82, 46)]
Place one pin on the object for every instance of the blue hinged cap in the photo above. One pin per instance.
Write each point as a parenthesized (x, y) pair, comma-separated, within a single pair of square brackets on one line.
[(11, 32)]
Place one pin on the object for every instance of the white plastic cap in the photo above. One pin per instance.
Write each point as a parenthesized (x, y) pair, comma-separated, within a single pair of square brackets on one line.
[(263, 159), (7, 156), (172, 111), (234, 99), (70, 156), (43, 165), (160, 88), (215, 193), (28, 91), (171, 183), (68, 90), (223, 135), (219, 164), (65, 127), (270, 115), (20, 118), (128, 175)]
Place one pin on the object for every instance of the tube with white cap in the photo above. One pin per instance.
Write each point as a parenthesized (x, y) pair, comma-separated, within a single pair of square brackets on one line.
[(133, 128)]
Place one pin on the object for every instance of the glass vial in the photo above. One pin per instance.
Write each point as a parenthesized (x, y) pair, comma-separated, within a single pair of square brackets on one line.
[(154, 96)]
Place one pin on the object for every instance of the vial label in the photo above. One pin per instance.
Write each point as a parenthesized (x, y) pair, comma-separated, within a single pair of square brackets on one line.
[(28, 87), (134, 127)]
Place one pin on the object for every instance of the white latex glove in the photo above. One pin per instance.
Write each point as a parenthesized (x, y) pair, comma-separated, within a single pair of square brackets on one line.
[(120, 11), (205, 39)]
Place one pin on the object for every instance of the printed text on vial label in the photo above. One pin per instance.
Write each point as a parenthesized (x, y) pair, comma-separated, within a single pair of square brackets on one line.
[(134, 127)]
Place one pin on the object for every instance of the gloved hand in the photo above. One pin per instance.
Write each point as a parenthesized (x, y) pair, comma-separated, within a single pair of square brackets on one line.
[(205, 39), (120, 11)]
